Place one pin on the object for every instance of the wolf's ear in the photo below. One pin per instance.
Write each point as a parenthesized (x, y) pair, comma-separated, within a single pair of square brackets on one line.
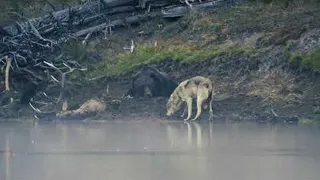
[(187, 83)]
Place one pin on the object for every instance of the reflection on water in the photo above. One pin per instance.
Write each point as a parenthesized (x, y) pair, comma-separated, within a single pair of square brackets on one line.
[(158, 150), (7, 156)]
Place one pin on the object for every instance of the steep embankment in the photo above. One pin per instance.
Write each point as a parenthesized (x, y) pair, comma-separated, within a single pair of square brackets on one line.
[(264, 61)]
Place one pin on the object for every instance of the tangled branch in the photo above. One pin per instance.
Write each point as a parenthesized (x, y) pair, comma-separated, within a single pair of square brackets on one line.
[(33, 61)]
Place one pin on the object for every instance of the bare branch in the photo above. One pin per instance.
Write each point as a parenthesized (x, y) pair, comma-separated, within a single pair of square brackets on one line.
[(35, 109), (54, 79), (9, 60), (86, 38), (274, 113), (36, 32)]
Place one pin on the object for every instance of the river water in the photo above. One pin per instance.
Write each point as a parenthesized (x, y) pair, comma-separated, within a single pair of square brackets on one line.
[(158, 150)]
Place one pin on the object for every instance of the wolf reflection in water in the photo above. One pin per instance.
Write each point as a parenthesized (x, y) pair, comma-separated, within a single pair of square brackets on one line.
[(146, 149)]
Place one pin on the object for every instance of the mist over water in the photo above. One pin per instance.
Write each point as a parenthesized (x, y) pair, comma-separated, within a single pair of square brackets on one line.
[(158, 150)]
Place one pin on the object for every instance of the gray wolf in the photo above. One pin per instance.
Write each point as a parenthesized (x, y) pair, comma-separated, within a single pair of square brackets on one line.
[(199, 88), (150, 82)]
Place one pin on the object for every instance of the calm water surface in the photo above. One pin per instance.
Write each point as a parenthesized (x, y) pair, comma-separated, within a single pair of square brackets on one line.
[(158, 151)]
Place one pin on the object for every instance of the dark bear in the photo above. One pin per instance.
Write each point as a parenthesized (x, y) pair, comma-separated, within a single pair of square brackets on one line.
[(149, 82)]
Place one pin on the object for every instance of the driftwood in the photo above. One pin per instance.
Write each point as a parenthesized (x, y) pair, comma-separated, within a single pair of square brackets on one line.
[(78, 15), (46, 24), (170, 12), (98, 11), (179, 11)]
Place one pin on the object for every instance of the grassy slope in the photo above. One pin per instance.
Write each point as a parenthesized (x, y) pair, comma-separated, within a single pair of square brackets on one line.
[(221, 44), (196, 37), (206, 41), (201, 36)]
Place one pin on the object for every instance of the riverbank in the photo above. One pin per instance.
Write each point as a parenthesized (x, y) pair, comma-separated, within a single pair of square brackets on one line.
[(263, 60)]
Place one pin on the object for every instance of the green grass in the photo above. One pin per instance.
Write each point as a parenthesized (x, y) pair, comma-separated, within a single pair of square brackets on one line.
[(311, 59), (149, 54), (257, 16), (305, 121), (197, 37), (315, 121)]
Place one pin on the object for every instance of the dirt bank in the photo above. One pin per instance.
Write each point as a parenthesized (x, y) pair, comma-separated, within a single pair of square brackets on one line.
[(237, 98), (263, 60)]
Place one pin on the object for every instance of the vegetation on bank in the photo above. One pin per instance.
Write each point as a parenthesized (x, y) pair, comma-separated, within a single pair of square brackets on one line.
[(197, 37), (310, 59), (202, 36), (317, 112), (316, 119), (149, 54)]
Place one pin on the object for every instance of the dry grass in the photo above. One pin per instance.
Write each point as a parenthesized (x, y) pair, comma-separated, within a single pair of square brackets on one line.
[(276, 85)]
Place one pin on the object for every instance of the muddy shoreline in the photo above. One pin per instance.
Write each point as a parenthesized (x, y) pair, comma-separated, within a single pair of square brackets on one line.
[(239, 108), (234, 104), (226, 108), (230, 103)]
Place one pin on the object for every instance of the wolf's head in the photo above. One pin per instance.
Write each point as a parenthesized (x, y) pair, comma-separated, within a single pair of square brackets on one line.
[(173, 105)]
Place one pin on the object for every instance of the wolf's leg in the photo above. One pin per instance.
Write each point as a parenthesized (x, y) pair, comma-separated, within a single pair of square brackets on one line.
[(199, 107), (205, 106), (210, 109), (189, 104), (210, 113), (184, 111)]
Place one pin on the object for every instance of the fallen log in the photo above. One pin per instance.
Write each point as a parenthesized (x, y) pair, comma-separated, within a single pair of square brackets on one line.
[(117, 23), (71, 14), (117, 10), (169, 12), (81, 15), (116, 3), (179, 11)]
